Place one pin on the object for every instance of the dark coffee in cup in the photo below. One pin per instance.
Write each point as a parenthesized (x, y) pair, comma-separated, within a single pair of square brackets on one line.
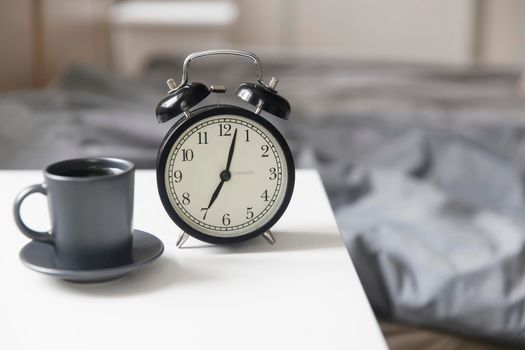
[(90, 172), (91, 205)]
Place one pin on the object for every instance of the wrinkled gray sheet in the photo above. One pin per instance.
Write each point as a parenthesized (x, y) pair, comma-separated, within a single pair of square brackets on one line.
[(423, 166)]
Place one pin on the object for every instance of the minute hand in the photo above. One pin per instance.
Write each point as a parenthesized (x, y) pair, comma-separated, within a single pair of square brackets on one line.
[(225, 175), (230, 154)]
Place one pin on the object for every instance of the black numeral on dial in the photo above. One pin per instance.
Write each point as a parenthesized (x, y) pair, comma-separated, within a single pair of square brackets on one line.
[(177, 176), (247, 135), (187, 155), (265, 149), (225, 129), (186, 198), (273, 174), (265, 195), (249, 213), (226, 220), (203, 137)]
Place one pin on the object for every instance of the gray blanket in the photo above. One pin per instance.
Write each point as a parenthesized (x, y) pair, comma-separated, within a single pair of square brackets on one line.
[(423, 166)]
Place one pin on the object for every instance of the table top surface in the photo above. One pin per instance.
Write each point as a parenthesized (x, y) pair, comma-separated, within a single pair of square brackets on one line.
[(301, 293)]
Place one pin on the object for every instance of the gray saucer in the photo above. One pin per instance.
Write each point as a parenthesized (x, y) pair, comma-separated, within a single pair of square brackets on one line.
[(41, 257)]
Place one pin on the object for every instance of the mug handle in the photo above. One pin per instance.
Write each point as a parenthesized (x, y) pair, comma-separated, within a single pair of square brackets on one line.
[(36, 235)]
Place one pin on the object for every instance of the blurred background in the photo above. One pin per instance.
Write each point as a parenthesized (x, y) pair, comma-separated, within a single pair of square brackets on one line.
[(41, 38), (413, 112)]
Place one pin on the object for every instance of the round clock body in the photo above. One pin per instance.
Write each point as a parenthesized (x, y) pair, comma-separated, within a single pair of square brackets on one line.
[(225, 175)]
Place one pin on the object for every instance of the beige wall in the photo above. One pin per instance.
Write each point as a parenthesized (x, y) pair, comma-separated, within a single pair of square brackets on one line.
[(33, 51), (16, 69), (74, 31), (413, 30), (409, 30), (439, 31), (502, 32), (260, 22)]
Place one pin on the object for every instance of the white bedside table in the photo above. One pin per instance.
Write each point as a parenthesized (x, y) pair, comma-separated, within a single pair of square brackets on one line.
[(301, 293)]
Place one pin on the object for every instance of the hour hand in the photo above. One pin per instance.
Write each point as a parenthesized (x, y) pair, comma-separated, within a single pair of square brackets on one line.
[(225, 175), (213, 198), (215, 194)]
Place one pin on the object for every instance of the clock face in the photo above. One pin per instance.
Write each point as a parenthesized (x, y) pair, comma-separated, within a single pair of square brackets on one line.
[(227, 175)]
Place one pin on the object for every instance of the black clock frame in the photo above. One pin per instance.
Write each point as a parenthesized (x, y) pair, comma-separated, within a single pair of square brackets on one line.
[(179, 128)]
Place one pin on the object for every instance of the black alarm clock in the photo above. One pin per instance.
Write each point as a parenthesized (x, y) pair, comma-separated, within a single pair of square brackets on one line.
[(225, 174)]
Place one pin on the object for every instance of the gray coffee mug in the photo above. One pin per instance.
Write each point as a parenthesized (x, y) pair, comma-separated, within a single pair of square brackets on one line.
[(91, 207)]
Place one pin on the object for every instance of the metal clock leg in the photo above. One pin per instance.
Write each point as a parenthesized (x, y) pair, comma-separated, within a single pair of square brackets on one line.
[(269, 237), (182, 238)]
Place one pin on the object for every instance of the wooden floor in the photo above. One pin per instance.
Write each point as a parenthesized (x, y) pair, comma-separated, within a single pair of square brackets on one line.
[(407, 337)]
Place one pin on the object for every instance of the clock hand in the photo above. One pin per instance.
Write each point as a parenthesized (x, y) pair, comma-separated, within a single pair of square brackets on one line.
[(225, 174), (215, 194), (230, 154)]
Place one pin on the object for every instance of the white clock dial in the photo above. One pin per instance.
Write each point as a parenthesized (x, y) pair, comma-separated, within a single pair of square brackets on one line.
[(226, 176)]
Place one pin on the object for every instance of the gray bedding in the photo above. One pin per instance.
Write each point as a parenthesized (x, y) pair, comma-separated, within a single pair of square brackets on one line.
[(423, 165)]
